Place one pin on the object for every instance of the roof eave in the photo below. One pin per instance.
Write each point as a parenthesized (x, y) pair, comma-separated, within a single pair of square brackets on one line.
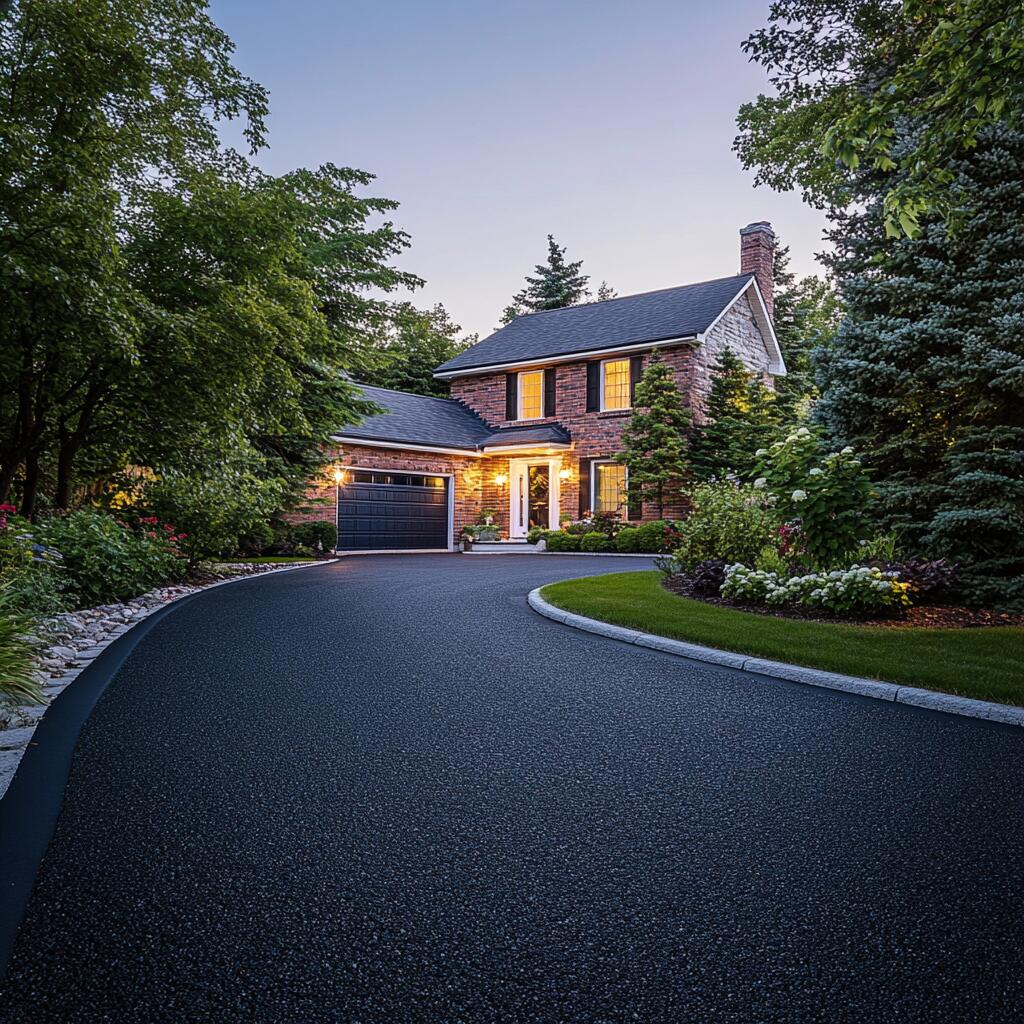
[(412, 446), (568, 357)]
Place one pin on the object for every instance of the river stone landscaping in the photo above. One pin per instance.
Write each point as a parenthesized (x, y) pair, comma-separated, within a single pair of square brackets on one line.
[(72, 640)]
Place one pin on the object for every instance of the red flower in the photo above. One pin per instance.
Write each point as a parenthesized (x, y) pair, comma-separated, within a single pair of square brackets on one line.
[(11, 509), (168, 528), (149, 520)]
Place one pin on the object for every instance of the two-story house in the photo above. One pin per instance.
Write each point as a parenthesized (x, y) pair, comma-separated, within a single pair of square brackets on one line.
[(537, 411)]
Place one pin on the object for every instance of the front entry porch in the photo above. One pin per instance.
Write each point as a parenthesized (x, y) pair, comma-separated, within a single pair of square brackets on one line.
[(534, 486)]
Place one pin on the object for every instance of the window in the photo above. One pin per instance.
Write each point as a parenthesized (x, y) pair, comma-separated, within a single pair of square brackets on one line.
[(608, 482), (615, 380), (531, 395)]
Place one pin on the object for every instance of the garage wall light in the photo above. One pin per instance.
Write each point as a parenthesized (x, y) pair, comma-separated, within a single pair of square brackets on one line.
[(564, 474), (501, 479), (339, 475)]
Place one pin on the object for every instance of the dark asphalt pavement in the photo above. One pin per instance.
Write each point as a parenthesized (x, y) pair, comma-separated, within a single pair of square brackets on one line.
[(385, 790)]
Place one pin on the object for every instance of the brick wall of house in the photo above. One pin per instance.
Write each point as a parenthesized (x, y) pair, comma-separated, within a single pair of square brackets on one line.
[(595, 434), (467, 472)]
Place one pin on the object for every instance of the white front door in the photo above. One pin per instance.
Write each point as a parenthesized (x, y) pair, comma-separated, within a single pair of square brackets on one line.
[(533, 493)]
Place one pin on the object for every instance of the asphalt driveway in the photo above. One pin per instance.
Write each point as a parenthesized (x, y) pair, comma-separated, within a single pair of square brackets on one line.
[(385, 790)]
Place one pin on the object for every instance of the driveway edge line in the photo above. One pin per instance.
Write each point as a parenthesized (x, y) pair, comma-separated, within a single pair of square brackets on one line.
[(30, 807), (966, 707)]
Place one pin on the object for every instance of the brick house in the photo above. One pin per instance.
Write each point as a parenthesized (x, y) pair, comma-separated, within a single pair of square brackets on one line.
[(537, 411)]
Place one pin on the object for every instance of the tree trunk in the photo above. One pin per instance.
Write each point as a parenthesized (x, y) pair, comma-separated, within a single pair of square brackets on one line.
[(29, 491)]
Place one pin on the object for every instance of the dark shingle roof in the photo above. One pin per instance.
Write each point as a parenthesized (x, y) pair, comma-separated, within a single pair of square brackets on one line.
[(417, 419), (545, 433), (629, 320)]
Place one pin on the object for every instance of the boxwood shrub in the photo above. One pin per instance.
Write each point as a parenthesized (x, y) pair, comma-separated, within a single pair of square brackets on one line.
[(558, 540), (596, 541)]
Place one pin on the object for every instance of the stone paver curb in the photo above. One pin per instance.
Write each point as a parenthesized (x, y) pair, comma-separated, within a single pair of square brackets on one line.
[(946, 702)]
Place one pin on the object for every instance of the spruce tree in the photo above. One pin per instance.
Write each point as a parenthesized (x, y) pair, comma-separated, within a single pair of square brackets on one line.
[(558, 283), (742, 416), (927, 374), (655, 440)]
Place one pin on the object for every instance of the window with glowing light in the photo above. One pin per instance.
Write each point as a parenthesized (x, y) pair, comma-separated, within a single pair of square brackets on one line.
[(615, 384), (531, 395), (608, 481)]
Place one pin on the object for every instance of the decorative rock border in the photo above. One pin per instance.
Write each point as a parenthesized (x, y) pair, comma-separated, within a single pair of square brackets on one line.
[(932, 699), (80, 637)]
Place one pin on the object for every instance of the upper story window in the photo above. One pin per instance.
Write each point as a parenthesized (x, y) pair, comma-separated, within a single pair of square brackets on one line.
[(531, 395), (615, 384)]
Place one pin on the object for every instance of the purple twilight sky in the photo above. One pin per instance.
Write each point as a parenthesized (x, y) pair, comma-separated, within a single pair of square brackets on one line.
[(609, 125)]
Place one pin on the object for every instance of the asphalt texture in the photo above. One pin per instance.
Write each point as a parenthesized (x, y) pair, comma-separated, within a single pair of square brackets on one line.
[(385, 790)]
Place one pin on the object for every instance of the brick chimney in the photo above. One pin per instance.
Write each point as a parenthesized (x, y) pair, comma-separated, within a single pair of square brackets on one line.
[(757, 254)]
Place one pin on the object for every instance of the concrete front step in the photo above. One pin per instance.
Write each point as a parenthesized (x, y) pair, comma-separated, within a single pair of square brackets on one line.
[(502, 547)]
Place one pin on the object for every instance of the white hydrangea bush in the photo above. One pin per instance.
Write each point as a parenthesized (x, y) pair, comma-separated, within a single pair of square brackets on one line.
[(859, 589)]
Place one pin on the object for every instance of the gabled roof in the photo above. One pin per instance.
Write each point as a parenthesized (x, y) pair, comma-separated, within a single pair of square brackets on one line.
[(441, 423), (684, 312), (418, 420)]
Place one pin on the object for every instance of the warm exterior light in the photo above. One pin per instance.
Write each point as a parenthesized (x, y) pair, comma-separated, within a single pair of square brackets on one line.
[(564, 474), (339, 475), (501, 479)]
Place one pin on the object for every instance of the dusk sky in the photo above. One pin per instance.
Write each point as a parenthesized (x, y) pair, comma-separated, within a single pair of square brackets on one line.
[(609, 125)]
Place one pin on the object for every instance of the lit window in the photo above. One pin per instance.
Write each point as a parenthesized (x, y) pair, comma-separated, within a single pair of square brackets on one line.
[(615, 384), (609, 487), (531, 395)]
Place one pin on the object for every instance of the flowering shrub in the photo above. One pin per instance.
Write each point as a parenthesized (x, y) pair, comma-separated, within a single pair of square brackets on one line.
[(608, 523), (31, 573), (859, 590), (729, 520), (827, 494), (108, 559)]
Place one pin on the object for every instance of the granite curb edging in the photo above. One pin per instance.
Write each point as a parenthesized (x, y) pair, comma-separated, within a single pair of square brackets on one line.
[(896, 693)]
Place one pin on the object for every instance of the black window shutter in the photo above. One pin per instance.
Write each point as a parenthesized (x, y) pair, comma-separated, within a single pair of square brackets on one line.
[(549, 391), (511, 396), (593, 387), (636, 371), (584, 487)]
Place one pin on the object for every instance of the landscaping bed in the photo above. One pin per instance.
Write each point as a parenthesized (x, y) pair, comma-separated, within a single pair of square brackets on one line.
[(982, 662)]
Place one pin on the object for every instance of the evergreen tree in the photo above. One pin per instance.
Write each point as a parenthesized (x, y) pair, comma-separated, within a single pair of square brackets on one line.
[(927, 374), (655, 440), (558, 283), (807, 315), (605, 291), (742, 416)]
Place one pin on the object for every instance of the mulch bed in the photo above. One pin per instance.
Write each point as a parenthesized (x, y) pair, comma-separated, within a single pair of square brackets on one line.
[(924, 616)]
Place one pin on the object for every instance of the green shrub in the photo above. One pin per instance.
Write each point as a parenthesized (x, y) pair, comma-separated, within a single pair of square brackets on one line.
[(309, 534), (535, 533), (770, 559), (259, 540), (559, 540), (730, 521), (627, 541), (651, 537), (214, 510), (18, 684), (33, 578), (596, 541), (107, 560), (829, 494)]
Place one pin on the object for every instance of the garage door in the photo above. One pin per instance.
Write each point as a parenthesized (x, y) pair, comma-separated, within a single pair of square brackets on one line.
[(392, 511)]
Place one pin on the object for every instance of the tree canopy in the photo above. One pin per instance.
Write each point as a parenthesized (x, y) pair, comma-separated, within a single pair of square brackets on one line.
[(902, 87), (166, 304), (415, 344)]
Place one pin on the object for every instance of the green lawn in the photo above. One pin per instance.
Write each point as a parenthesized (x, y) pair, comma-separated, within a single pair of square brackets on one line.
[(987, 663)]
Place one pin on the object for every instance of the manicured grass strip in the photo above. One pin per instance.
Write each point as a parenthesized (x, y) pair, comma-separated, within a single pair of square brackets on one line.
[(269, 560), (987, 663)]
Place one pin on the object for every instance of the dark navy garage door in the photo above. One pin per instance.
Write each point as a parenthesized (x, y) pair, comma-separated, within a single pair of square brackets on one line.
[(392, 511)]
